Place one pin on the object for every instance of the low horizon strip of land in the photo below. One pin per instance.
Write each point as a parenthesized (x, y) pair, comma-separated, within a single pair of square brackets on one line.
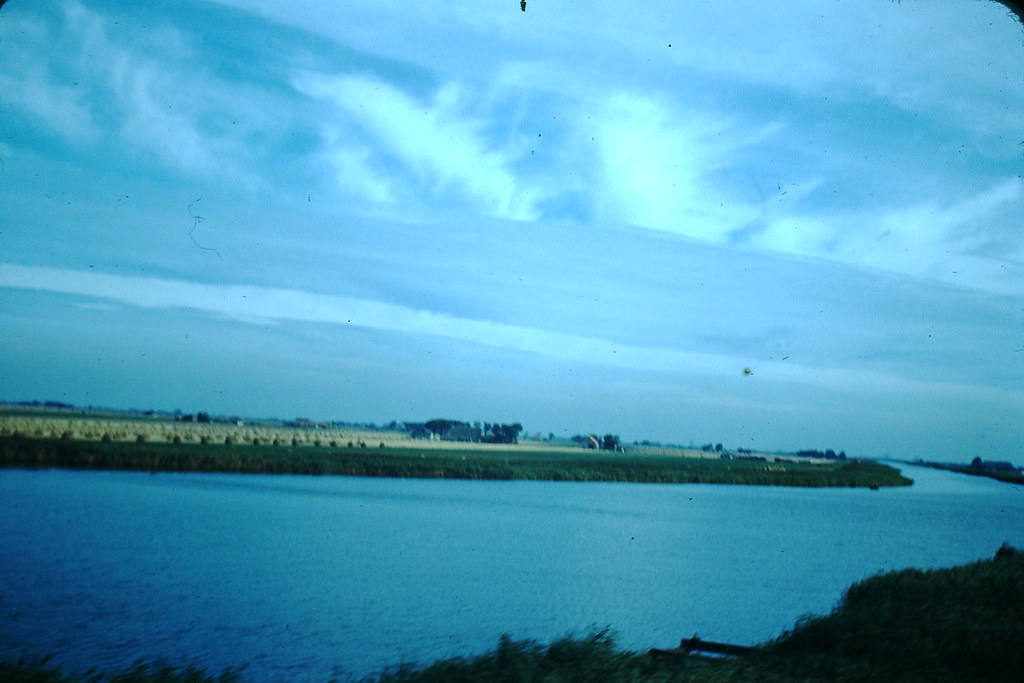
[(976, 471), (34, 440), (964, 623), (449, 463)]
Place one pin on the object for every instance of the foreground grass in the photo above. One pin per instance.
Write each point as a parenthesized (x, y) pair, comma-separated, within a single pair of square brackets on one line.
[(964, 623), (467, 463), (959, 624)]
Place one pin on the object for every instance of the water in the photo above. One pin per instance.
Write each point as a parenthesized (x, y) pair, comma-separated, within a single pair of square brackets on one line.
[(305, 578)]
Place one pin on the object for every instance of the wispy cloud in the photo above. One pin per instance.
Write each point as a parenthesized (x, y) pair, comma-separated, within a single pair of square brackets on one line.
[(61, 107), (659, 166), (146, 92), (636, 192), (439, 142), (955, 242), (43, 87), (268, 305)]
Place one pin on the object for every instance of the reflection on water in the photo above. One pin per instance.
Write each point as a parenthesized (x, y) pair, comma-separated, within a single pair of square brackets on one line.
[(295, 576)]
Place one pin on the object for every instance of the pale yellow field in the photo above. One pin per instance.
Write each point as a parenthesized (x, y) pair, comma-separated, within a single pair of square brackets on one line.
[(57, 425)]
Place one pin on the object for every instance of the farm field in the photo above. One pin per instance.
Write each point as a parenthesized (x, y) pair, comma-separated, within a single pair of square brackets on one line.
[(151, 444), (138, 428)]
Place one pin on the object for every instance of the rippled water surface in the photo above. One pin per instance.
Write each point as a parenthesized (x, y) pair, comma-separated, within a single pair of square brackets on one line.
[(310, 577)]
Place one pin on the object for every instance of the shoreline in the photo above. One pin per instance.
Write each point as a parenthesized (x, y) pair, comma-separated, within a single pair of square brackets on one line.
[(76, 439), (457, 462)]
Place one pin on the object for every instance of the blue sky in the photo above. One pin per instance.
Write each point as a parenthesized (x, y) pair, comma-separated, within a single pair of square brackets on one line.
[(774, 225)]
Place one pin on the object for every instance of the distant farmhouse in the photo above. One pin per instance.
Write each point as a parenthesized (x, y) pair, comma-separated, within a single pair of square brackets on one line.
[(995, 466), (416, 430), (463, 432), (610, 442), (457, 430)]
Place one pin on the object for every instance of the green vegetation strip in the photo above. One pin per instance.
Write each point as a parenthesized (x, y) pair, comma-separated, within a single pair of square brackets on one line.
[(437, 463), (960, 624)]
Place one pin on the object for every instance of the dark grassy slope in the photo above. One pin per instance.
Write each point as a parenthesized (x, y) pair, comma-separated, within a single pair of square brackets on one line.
[(964, 623), (959, 624), (453, 463)]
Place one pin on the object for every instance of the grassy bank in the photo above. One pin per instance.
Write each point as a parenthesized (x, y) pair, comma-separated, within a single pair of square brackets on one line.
[(449, 463), (960, 624), (964, 623)]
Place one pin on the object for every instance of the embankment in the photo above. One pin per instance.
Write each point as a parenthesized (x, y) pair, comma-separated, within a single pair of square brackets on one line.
[(448, 463)]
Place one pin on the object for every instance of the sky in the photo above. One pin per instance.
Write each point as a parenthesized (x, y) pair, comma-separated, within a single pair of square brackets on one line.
[(772, 225)]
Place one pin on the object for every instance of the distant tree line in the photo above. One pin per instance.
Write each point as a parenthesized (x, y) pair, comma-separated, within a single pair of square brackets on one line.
[(609, 442), (828, 455), (198, 417), (994, 466), (458, 430), (45, 404)]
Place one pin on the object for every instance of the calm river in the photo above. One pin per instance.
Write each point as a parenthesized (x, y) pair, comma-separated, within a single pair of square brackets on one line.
[(305, 578)]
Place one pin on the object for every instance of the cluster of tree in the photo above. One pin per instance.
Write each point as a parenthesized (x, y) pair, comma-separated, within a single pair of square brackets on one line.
[(442, 427), (994, 465), (487, 432), (660, 444), (829, 454), (610, 442), (708, 448), (502, 433), (45, 404)]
